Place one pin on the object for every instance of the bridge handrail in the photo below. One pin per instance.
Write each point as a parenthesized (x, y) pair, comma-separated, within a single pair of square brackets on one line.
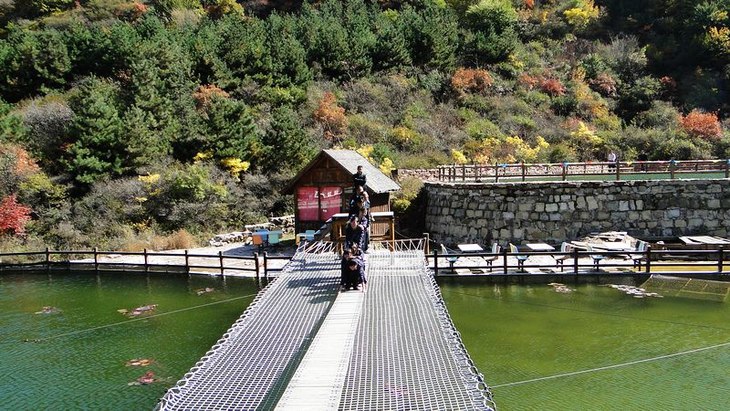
[(628, 262), (525, 171), (149, 261)]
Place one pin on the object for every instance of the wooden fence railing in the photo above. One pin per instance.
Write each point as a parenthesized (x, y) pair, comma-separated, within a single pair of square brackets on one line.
[(577, 262), (146, 261), (566, 171)]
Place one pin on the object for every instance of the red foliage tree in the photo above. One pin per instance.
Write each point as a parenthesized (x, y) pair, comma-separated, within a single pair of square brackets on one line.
[(604, 84), (23, 163), (703, 125), (13, 216), (205, 94), (527, 81), (552, 86), (330, 116), (471, 80)]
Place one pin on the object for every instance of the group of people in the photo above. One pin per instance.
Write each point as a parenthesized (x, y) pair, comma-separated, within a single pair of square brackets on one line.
[(358, 226), (353, 269), (357, 235)]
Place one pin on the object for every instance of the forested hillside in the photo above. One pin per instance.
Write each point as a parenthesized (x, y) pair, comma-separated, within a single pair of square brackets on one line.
[(130, 124)]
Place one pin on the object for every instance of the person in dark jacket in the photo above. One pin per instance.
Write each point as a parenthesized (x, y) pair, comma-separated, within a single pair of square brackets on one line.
[(357, 254), (359, 179), (354, 233), (346, 257), (352, 274)]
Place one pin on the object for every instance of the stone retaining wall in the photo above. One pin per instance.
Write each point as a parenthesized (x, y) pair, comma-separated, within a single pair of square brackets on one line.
[(559, 211)]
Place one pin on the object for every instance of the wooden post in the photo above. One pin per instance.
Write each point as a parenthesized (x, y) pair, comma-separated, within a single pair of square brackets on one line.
[(48, 259), (720, 258), (146, 267), (504, 255), (496, 172), (220, 259), (435, 262), (672, 165), (565, 171), (96, 260), (187, 262), (463, 172), (648, 259), (575, 261), (427, 240), (523, 171), (392, 233), (618, 170), (727, 168), (256, 265), (476, 172), (266, 264)]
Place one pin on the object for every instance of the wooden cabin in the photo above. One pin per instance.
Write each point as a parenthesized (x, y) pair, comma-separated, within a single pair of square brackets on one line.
[(323, 188)]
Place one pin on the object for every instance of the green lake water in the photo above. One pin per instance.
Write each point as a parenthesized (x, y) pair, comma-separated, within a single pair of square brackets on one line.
[(531, 343), (79, 359), (595, 348)]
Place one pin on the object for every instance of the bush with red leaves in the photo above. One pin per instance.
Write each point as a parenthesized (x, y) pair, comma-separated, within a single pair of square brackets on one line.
[(467, 80), (13, 216), (331, 116), (703, 125), (552, 86)]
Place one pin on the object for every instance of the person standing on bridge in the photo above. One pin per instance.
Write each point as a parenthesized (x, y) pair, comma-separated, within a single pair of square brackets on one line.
[(612, 157), (357, 253), (354, 233), (359, 179), (346, 257)]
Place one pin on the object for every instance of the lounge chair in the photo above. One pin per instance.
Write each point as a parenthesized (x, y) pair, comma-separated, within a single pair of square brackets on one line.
[(450, 257), (490, 258), (596, 257), (274, 238), (258, 240), (560, 259), (521, 258), (641, 248), (309, 235)]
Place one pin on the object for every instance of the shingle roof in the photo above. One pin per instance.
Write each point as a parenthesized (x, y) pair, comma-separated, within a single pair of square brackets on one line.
[(349, 160)]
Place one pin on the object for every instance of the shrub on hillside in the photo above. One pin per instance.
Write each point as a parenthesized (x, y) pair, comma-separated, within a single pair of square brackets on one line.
[(16, 165), (662, 115), (364, 129), (552, 86), (46, 121), (331, 117), (13, 216), (682, 149), (701, 125), (410, 187), (467, 80)]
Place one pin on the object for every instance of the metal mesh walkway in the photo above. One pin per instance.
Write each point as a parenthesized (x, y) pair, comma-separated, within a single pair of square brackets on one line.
[(251, 364), (407, 354)]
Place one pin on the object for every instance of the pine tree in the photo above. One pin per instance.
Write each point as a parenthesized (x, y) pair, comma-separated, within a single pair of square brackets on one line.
[(287, 145), (231, 131), (287, 58), (391, 49), (96, 146)]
